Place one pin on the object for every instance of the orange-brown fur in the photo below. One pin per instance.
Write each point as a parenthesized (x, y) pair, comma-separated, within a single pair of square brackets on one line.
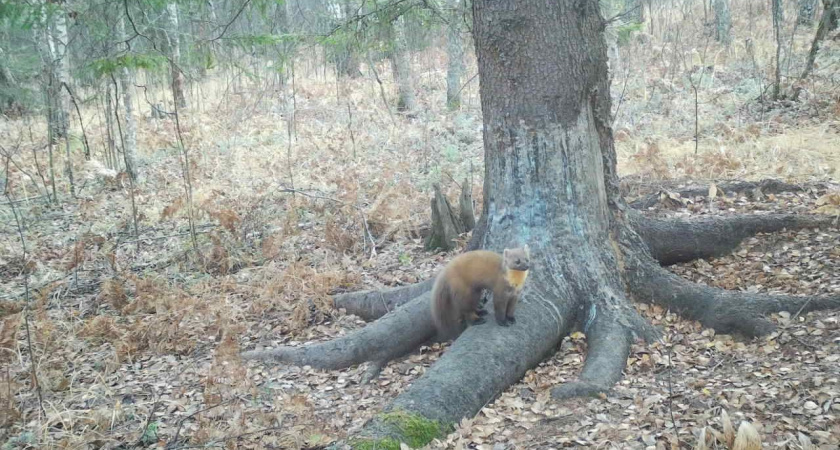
[(458, 288)]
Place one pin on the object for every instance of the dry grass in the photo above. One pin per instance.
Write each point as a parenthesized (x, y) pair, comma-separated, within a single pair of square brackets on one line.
[(136, 338)]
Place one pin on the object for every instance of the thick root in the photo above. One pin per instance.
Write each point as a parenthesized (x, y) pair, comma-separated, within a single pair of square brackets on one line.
[(371, 305), (679, 240), (725, 311), (392, 336), (609, 345)]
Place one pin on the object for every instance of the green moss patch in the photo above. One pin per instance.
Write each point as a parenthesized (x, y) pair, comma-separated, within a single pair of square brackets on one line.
[(413, 429)]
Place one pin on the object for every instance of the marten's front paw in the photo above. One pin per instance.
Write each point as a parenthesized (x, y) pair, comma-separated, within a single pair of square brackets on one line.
[(481, 312), (502, 322), (479, 321), (511, 319)]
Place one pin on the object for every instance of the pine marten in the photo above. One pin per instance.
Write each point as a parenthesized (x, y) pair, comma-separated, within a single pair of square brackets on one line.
[(458, 288)]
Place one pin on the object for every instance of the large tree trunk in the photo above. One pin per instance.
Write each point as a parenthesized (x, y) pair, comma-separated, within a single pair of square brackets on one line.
[(174, 49), (455, 52), (551, 183)]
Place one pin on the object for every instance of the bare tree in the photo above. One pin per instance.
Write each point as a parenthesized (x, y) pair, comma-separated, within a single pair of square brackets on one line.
[(723, 22), (455, 52), (349, 61), (832, 8), (777, 32), (127, 90), (401, 66), (57, 42), (807, 11), (174, 52), (819, 36), (551, 182), (635, 10)]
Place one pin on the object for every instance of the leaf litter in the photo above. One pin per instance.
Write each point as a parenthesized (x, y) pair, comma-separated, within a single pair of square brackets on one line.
[(136, 340)]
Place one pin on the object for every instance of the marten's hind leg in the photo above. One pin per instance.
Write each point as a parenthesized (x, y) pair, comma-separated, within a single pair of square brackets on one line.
[(475, 314)]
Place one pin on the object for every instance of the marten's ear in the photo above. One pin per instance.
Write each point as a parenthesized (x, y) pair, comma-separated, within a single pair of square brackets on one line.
[(527, 250), (505, 253)]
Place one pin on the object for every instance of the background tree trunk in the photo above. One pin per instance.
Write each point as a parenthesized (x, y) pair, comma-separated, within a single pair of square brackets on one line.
[(59, 61), (174, 49), (635, 11), (350, 59), (401, 66), (455, 52), (777, 32), (807, 12), (833, 10), (127, 90), (723, 22)]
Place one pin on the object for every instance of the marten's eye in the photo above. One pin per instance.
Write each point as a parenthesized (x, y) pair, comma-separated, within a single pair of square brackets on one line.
[(517, 261)]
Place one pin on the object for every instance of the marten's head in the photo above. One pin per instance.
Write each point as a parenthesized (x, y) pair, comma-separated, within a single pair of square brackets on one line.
[(517, 258)]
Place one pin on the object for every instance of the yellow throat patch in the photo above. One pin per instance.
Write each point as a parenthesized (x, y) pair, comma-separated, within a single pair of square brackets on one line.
[(516, 278)]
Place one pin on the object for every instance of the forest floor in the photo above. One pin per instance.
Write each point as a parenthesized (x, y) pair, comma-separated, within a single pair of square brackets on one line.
[(135, 338)]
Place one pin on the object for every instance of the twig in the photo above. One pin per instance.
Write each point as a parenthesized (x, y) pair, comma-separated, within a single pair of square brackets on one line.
[(185, 172), (81, 122), (227, 25), (125, 161), (671, 395), (149, 419), (8, 194), (381, 89), (174, 440), (466, 84), (367, 235), (621, 97), (234, 437)]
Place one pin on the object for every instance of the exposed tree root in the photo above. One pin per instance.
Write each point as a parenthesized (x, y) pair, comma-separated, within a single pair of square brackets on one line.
[(480, 364), (392, 336), (674, 241), (725, 311), (373, 304), (768, 186), (609, 345)]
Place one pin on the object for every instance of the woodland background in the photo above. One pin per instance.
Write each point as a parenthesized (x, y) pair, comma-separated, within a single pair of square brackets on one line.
[(185, 179)]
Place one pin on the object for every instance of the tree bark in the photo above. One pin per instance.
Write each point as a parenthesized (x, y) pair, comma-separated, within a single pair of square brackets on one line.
[(401, 66), (447, 224), (174, 49), (455, 52)]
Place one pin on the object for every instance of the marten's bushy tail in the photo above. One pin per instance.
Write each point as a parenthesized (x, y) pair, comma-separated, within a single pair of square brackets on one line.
[(444, 310)]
